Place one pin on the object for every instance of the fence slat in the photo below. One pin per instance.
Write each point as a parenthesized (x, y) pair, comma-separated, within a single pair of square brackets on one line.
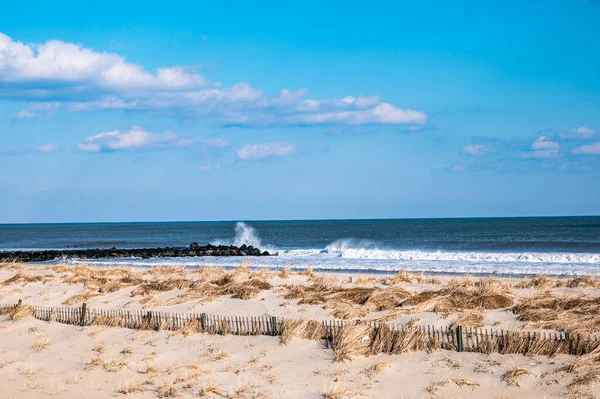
[(458, 338)]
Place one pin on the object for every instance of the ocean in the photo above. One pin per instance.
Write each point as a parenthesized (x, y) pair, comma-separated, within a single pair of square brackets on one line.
[(502, 246)]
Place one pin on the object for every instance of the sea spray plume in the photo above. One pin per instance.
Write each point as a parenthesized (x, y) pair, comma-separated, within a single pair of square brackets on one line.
[(246, 234)]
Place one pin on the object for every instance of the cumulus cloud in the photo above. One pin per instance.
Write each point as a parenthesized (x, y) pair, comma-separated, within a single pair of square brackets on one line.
[(541, 143), (267, 150), (26, 114), (85, 79), (542, 148), (33, 110), (57, 61), (475, 149), (133, 139), (580, 133), (589, 149)]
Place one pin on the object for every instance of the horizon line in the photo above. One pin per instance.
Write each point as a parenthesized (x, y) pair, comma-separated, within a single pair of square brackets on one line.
[(308, 220)]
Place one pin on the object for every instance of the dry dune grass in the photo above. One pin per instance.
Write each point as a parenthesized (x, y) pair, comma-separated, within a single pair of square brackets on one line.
[(191, 327), (351, 340), (583, 281), (404, 276), (79, 298), (338, 392), (545, 282), (360, 338), (308, 272), (511, 377), (204, 284), (12, 266), (586, 371), (376, 368), (347, 303), (541, 282), (24, 279), (210, 284), (284, 273), (109, 321), (17, 312), (108, 365), (302, 329), (530, 344), (389, 340), (168, 390), (545, 310), (103, 280), (457, 295), (473, 319), (466, 296), (130, 387), (435, 386)]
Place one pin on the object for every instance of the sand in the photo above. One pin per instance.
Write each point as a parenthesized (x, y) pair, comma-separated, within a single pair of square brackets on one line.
[(39, 359)]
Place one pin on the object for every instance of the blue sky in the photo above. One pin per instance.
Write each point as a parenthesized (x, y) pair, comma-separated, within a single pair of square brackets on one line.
[(238, 111)]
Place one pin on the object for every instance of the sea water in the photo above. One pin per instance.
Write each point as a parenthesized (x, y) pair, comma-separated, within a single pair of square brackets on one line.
[(502, 246)]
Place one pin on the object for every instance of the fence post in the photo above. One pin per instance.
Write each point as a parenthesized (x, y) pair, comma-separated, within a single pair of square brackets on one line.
[(274, 325), (149, 318), (82, 321), (203, 322), (20, 302), (459, 339), (568, 339)]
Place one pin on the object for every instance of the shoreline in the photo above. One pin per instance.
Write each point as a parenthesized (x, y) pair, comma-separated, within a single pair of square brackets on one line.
[(326, 271)]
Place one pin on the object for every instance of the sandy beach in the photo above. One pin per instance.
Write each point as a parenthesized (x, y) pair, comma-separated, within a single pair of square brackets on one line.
[(39, 359)]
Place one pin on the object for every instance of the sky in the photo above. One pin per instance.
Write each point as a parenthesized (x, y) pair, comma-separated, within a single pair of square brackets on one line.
[(159, 111)]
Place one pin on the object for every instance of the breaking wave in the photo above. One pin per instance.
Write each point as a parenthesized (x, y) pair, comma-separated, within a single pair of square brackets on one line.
[(353, 249)]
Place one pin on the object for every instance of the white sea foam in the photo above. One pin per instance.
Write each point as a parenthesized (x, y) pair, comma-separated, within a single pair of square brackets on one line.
[(368, 256), (351, 249)]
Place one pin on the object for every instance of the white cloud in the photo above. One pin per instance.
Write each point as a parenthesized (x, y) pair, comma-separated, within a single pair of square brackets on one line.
[(216, 142), (26, 114), (590, 149), (134, 138), (33, 110), (57, 61), (542, 144), (542, 148), (50, 147), (267, 150), (474, 149), (581, 133), (85, 79)]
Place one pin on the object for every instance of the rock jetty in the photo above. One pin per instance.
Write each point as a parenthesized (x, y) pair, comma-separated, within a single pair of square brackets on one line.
[(144, 253)]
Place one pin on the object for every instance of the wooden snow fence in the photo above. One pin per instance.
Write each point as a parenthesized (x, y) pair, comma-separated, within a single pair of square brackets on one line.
[(381, 337)]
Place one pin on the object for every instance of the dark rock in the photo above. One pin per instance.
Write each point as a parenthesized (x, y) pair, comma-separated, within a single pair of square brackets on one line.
[(145, 253)]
